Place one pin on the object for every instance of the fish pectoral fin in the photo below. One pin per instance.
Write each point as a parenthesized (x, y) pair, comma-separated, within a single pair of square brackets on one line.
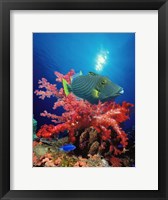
[(66, 86), (95, 93)]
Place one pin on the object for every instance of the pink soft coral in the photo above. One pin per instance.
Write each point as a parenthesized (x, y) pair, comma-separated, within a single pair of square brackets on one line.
[(80, 114)]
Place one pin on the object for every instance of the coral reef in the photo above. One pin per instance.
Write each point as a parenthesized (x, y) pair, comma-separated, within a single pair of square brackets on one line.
[(94, 129), (52, 157)]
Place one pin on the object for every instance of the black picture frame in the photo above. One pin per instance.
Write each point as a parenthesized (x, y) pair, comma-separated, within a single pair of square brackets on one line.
[(5, 7)]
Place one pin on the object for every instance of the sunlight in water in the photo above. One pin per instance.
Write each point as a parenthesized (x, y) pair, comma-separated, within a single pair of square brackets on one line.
[(101, 60)]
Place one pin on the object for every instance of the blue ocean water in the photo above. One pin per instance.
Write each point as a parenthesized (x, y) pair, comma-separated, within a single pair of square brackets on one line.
[(108, 54)]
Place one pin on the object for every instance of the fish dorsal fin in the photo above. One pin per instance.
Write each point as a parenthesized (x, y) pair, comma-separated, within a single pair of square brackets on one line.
[(76, 75), (92, 74)]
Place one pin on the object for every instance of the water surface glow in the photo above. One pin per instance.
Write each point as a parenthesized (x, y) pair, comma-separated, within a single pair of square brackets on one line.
[(101, 60)]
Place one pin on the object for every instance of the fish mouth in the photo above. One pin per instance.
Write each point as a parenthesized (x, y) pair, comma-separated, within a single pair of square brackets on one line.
[(120, 92), (113, 96)]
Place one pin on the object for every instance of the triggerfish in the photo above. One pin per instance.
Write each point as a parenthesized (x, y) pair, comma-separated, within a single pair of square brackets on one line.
[(67, 147), (93, 88)]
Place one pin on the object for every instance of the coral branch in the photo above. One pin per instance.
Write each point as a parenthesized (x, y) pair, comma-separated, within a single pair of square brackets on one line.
[(67, 77), (49, 90)]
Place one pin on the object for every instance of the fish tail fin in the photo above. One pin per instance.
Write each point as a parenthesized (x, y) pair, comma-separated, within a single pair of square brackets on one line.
[(67, 87), (61, 149)]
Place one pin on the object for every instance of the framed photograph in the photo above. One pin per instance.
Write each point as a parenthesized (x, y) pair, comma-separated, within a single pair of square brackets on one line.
[(83, 99)]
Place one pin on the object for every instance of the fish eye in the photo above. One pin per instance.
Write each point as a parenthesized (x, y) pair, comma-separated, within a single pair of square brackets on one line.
[(103, 82)]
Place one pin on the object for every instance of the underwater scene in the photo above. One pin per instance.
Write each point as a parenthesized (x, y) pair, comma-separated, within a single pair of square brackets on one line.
[(83, 100)]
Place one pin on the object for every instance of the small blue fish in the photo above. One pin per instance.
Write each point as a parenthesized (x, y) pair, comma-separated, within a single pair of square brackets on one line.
[(67, 147)]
